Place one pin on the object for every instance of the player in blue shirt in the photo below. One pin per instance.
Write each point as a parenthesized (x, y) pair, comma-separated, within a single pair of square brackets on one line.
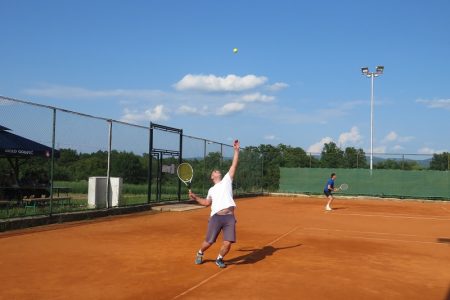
[(329, 187)]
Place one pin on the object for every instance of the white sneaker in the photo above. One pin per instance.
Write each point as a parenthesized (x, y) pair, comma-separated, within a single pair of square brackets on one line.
[(327, 208)]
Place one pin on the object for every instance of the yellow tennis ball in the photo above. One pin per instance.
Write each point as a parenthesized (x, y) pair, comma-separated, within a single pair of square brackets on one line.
[(235, 50)]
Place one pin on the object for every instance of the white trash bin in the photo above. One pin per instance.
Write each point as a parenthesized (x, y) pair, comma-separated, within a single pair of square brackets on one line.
[(97, 192)]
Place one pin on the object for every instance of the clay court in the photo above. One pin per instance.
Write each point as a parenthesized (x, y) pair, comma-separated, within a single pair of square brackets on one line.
[(288, 248)]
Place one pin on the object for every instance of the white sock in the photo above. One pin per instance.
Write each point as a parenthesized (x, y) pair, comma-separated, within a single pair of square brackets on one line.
[(200, 252), (219, 257)]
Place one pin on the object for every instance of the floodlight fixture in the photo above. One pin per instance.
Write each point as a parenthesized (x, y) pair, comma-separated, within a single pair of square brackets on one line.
[(365, 71), (379, 70)]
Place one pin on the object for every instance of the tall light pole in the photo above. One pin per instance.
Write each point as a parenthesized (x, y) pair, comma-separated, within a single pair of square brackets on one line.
[(365, 72)]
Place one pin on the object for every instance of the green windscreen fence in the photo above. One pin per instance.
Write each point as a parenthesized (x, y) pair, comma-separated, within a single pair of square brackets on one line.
[(426, 184)]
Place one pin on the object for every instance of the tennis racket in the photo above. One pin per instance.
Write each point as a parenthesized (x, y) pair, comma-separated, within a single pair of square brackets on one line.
[(343, 187), (185, 173)]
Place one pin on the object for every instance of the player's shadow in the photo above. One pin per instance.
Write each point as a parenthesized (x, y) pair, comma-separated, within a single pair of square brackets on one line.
[(339, 208), (448, 294), (443, 240), (256, 255)]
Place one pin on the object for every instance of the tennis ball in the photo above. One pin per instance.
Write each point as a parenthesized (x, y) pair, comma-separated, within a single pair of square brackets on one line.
[(235, 50)]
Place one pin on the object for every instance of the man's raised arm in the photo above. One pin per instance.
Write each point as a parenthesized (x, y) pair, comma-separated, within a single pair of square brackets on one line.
[(234, 164)]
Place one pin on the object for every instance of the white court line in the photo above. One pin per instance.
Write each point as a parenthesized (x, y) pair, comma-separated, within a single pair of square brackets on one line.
[(229, 267), (282, 236), (445, 208), (394, 216), (365, 232), (376, 238)]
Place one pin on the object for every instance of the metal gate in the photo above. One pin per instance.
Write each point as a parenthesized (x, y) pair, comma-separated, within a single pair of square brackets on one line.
[(158, 155)]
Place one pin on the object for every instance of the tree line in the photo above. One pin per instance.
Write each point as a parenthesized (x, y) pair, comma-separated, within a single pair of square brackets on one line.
[(258, 165)]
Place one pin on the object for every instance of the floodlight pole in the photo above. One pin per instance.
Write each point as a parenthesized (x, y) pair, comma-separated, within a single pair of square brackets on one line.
[(371, 122), (365, 72)]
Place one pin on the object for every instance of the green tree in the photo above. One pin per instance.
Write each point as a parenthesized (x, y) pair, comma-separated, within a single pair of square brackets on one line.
[(64, 165), (388, 164), (354, 158), (93, 164), (271, 166), (213, 160), (249, 173), (34, 169), (393, 164), (332, 156), (440, 161), (411, 165), (128, 166), (293, 157)]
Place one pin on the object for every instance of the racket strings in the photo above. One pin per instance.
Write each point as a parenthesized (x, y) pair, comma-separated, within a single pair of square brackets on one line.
[(185, 172)]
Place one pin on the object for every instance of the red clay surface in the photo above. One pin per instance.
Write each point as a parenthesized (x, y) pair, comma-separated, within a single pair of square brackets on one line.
[(288, 248)]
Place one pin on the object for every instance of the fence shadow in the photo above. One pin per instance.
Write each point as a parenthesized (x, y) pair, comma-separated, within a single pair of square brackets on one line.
[(256, 255)]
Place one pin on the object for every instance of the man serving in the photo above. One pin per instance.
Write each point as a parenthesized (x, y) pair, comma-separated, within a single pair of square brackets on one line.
[(220, 197)]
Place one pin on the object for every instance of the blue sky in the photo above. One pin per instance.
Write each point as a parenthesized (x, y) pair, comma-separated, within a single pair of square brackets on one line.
[(295, 80)]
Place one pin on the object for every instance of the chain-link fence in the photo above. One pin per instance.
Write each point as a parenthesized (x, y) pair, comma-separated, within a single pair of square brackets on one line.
[(56, 161), (423, 176), (362, 161), (425, 184)]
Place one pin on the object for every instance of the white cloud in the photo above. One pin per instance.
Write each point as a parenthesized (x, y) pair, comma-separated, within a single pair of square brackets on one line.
[(158, 113), (230, 108), (392, 142), (70, 92), (185, 109), (404, 139), (317, 147), (426, 150), (136, 101), (270, 137), (277, 86), (213, 83), (257, 97), (394, 137), (354, 138), (351, 137), (379, 149), (438, 103)]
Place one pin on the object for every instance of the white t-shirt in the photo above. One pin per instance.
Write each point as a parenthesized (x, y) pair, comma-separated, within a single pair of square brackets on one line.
[(221, 195)]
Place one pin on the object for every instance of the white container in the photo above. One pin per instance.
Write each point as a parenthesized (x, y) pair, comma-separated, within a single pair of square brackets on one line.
[(97, 192)]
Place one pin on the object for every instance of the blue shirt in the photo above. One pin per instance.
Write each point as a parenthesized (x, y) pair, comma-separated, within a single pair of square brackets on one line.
[(330, 183)]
